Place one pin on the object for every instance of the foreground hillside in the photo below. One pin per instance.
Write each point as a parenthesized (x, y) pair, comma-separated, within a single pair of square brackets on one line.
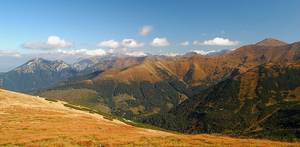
[(30, 121)]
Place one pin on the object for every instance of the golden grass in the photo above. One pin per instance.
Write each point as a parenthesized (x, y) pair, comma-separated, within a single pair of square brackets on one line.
[(32, 121)]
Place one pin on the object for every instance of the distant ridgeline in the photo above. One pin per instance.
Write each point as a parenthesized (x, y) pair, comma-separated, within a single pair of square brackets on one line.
[(1, 82), (252, 91)]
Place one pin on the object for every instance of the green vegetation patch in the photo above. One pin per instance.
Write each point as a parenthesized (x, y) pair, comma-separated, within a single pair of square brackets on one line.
[(84, 97)]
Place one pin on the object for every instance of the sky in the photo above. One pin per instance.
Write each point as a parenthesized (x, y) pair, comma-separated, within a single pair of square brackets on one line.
[(72, 29)]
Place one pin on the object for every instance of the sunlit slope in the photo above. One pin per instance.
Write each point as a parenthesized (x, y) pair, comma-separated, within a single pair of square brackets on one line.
[(262, 102), (158, 84), (27, 120)]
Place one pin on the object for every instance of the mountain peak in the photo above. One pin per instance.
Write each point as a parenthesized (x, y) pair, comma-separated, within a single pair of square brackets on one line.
[(36, 61), (42, 64), (271, 42)]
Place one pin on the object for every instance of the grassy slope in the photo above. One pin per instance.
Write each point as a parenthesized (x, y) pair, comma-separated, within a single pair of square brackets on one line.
[(263, 102), (27, 120)]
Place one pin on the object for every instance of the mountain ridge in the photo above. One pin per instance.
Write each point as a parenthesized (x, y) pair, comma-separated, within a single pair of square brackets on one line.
[(271, 42), (262, 102), (37, 73), (157, 85)]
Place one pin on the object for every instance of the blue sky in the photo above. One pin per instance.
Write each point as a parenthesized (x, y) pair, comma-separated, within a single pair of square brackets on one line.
[(84, 24)]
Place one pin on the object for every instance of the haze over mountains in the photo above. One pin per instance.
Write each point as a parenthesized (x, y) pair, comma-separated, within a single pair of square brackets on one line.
[(60, 70)]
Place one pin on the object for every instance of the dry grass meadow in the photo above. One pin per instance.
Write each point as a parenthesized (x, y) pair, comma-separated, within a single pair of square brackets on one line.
[(32, 121)]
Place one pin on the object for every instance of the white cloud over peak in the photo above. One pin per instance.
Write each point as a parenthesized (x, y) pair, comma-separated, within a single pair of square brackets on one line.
[(136, 54), (125, 43), (53, 42), (196, 42), (172, 54), (219, 41), (145, 30), (203, 52), (84, 52), (131, 43), (111, 44), (5, 53), (160, 42), (185, 43)]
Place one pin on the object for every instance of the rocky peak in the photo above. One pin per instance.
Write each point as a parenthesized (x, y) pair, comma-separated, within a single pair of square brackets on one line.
[(42, 64)]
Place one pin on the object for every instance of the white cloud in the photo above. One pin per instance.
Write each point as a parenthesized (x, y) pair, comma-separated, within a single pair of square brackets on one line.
[(122, 45), (117, 50), (131, 43), (203, 52), (57, 42), (53, 42), (195, 42), (172, 54), (185, 43), (84, 52), (111, 44), (145, 30), (232, 49), (111, 51), (5, 53), (159, 42), (136, 54), (218, 41)]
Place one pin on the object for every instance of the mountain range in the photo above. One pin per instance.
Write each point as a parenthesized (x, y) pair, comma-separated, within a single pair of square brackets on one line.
[(35, 74), (251, 91), (40, 73)]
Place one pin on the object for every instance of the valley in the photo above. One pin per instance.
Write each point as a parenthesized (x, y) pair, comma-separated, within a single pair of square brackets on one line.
[(33, 121)]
